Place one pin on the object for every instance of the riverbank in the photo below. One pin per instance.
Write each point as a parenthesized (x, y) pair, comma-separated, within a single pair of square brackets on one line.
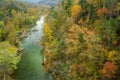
[(30, 66)]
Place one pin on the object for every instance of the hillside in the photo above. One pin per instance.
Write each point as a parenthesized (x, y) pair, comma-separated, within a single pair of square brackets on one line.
[(81, 40), (45, 2)]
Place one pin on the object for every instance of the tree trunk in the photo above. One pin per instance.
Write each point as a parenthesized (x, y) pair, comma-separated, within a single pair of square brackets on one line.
[(4, 76)]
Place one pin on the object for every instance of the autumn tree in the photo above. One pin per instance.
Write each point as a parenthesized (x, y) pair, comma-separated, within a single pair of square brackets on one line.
[(67, 5), (84, 45), (47, 31), (8, 60), (15, 20), (75, 12)]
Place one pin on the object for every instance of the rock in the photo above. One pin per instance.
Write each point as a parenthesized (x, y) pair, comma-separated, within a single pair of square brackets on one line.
[(28, 30), (34, 30), (20, 50)]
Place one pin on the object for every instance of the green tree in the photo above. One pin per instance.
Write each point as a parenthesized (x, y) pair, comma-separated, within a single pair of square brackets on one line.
[(8, 60), (67, 5)]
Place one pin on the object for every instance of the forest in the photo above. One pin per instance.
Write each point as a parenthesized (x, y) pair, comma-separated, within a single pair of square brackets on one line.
[(16, 18), (80, 40)]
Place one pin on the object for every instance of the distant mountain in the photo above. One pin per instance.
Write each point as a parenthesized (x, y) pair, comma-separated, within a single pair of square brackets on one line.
[(33, 1), (45, 2)]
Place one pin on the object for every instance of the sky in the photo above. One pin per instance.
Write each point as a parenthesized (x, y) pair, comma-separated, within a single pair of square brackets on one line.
[(35, 1)]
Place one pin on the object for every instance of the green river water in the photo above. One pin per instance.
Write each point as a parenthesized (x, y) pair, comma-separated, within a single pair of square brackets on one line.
[(30, 66)]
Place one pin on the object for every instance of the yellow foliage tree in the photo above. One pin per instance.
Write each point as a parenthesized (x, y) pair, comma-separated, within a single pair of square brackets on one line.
[(95, 3), (75, 10), (72, 40), (47, 31), (31, 11), (76, 1), (8, 60), (14, 13)]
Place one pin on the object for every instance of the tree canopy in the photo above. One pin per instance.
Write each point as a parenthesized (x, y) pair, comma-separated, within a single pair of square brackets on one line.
[(85, 43)]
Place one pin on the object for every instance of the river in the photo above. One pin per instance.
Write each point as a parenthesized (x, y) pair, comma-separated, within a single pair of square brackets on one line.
[(30, 66)]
